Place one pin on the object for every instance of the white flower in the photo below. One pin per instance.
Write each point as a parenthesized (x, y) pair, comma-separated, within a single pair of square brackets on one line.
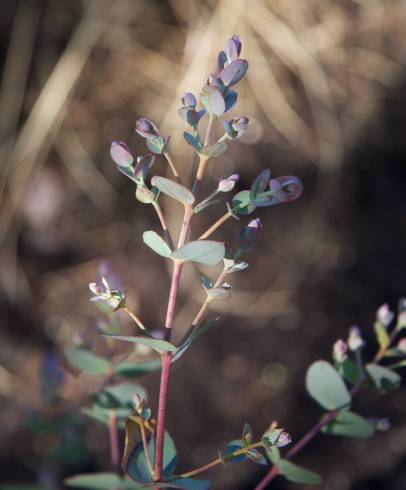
[(384, 315)]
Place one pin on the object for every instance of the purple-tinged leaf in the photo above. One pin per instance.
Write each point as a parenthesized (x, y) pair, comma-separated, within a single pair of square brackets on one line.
[(121, 154), (233, 49), (213, 100), (233, 72), (142, 168), (221, 61), (157, 144), (189, 100), (146, 128), (260, 184), (189, 115), (291, 186)]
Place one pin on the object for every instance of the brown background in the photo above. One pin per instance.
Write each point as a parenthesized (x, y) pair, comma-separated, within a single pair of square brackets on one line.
[(325, 95)]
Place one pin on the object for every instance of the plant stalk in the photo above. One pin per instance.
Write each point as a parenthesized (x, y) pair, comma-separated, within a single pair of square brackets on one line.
[(313, 432), (114, 444), (215, 225)]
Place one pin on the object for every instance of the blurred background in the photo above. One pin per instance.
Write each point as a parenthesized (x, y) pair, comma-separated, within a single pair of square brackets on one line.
[(325, 94)]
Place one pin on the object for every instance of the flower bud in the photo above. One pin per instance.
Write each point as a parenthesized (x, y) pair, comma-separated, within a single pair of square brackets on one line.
[(228, 184), (276, 437), (384, 315), (144, 195), (340, 350), (189, 100), (402, 345), (355, 340), (121, 154), (146, 128), (380, 424), (236, 127)]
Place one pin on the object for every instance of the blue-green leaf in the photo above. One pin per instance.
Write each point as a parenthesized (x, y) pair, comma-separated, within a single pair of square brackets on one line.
[(133, 369), (326, 386), (95, 481), (156, 344), (84, 360), (242, 204), (213, 100), (216, 150), (231, 447), (384, 379), (173, 189), (193, 336), (297, 474), (206, 252), (350, 424), (157, 243), (123, 393)]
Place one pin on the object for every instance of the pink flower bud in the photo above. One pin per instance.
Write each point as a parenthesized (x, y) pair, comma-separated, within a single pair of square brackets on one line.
[(340, 350), (355, 340), (228, 184)]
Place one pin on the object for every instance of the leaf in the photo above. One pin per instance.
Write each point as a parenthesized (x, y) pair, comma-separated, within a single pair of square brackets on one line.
[(230, 100), (348, 370), (241, 203), (260, 184), (96, 481), (123, 393), (157, 243), (326, 386), (86, 361), (206, 252), (173, 189), (134, 461), (156, 144), (247, 435), (213, 101), (384, 379), (102, 414), (193, 140), (233, 72), (156, 344), (382, 336), (193, 336), (255, 456), (350, 424), (297, 474), (231, 447), (132, 369), (216, 150), (273, 454)]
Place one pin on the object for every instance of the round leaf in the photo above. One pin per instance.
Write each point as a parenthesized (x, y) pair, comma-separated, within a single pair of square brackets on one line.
[(173, 189), (206, 252), (326, 386), (157, 243)]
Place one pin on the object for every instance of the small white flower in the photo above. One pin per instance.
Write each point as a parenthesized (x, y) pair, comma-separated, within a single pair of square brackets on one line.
[(355, 340), (102, 292), (228, 184), (340, 350)]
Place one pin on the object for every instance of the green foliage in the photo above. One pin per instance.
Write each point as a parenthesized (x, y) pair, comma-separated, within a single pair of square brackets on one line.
[(136, 463), (84, 360), (348, 370), (157, 243), (297, 474), (155, 344), (241, 203), (194, 335), (206, 252), (133, 369), (350, 424), (97, 481), (326, 386), (383, 379), (382, 335), (173, 189)]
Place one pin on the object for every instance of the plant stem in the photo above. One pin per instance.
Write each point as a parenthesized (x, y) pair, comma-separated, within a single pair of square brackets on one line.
[(134, 317), (164, 225), (172, 165), (170, 313), (114, 446), (329, 417), (166, 357), (215, 225), (218, 461), (199, 316)]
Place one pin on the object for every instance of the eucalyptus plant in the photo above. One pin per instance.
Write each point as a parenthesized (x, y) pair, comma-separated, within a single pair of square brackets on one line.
[(149, 457)]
